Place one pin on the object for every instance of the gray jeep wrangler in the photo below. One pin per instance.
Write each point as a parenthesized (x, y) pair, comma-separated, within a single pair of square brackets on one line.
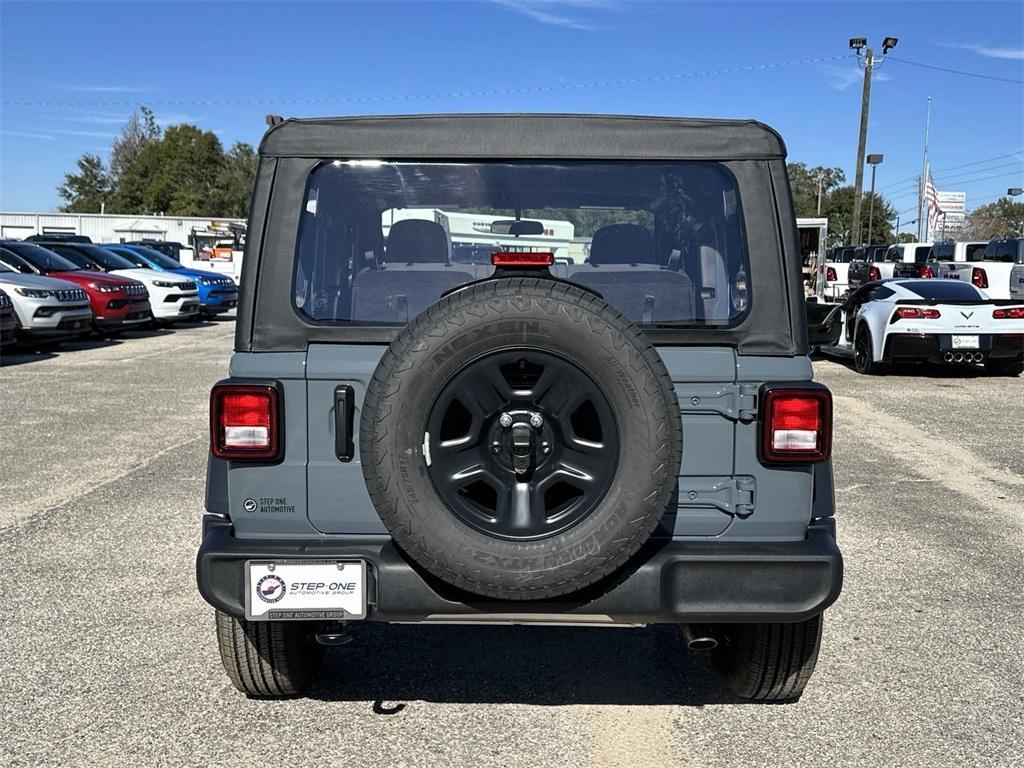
[(510, 369)]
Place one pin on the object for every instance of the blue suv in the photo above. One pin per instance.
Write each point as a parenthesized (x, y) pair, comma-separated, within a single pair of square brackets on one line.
[(217, 293)]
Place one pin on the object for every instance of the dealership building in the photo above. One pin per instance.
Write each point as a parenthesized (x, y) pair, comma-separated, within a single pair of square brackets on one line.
[(111, 228)]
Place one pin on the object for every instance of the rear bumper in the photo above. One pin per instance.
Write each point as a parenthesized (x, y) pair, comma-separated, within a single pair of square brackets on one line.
[(932, 347), (667, 582)]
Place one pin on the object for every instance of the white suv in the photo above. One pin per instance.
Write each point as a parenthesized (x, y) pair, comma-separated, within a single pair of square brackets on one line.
[(46, 308), (171, 297)]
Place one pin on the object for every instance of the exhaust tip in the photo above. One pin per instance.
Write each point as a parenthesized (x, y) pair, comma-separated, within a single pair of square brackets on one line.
[(699, 637), (948, 357), (958, 357)]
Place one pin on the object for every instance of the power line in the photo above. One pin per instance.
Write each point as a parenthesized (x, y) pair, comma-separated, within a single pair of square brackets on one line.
[(967, 184), (956, 71), (902, 182), (954, 179), (437, 95)]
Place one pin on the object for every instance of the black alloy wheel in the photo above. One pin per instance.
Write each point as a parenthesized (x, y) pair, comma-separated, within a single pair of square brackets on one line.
[(862, 361), (522, 444)]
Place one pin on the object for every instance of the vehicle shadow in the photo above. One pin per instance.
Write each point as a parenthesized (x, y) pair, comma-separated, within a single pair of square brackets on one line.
[(392, 664), (22, 355), (921, 370)]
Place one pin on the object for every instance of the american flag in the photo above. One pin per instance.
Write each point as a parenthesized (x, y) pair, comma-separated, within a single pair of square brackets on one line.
[(931, 198)]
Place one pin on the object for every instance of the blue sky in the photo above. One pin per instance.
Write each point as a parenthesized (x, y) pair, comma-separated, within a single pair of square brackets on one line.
[(71, 73)]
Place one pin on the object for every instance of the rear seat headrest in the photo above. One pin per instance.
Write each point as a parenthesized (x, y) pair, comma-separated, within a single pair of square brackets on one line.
[(416, 241), (622, 244)]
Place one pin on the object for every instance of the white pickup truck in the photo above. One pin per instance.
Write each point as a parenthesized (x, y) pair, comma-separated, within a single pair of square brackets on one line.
[(997, 269), (899, 260), (832, 273)]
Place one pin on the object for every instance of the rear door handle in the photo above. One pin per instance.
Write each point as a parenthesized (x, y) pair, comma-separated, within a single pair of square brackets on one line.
[(344, 413)]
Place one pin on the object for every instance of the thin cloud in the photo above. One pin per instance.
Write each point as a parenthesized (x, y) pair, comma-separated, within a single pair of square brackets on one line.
[(91, 134), (843, 77), (175, 118), (105, 88), (554, 12), (97, 119), (1014, 54), (28, 135)]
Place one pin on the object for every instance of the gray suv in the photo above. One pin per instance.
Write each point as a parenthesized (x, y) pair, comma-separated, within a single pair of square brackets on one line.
[(610, 422)]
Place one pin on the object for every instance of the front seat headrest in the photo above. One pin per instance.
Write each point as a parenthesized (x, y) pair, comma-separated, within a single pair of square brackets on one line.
[(416, 241), (622, 244)]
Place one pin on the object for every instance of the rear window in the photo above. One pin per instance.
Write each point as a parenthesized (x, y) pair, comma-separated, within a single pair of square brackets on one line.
[(944, 290), (663, 242), (974, 252), (1006, 251), (921, 253)]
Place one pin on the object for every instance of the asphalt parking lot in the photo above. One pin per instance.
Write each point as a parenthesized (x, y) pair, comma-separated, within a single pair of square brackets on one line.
[(109, 655)]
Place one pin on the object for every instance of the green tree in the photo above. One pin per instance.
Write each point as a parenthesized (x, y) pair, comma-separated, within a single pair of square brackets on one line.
[(234, 185), (177, 175), (804, 183), (139, 132), (838, 207), (88, 190), (1003, 218)]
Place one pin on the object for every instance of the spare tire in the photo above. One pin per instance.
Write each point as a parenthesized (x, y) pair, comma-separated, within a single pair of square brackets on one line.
[(521, 439)]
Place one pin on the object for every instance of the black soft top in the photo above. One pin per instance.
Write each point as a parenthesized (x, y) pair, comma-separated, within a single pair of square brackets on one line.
[(614, 137)]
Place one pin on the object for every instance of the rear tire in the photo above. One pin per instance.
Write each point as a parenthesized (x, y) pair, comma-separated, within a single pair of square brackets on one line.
[(768, 662), (863, 355), (268, 659), (1004, 367)]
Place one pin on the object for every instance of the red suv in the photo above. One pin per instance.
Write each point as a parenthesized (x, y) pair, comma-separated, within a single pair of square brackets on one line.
[(116, 301)]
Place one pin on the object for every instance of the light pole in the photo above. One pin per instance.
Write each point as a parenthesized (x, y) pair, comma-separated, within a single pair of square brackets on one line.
[(1014, 192), (874, 161), (868, 62)]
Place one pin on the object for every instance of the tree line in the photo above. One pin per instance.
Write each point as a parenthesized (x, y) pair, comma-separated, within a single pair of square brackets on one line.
[(1003, 218), (178, 171), (185, 171)]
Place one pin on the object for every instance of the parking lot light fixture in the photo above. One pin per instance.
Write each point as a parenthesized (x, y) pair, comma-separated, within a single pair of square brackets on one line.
[(874, 161), (870, 63)]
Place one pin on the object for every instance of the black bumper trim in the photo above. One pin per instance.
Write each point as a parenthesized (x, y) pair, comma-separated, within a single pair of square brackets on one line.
[(668, 581)]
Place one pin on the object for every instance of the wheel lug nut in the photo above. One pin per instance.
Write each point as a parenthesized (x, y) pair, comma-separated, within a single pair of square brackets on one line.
[(546, 449), (495, 448), (536, 421), (505, 420)]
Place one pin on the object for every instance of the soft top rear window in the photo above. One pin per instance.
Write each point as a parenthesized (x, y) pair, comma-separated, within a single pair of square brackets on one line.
[(664, 242)]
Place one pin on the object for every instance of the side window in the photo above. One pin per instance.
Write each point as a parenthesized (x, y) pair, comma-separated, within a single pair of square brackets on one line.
[(893, 254), (882, 292)]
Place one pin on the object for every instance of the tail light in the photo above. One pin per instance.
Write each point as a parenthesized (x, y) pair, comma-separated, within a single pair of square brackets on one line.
[(522, 259), (244, 421), (830, 275), (925, 271), (979, 277), (1011, 313), (916, 313), (874, 274), (797, 425)]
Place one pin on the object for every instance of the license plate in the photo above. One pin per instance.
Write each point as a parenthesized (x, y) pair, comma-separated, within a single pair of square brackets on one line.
[(965, 342), (311, 589)]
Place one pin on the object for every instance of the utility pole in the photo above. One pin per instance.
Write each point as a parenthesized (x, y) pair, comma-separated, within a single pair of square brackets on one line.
[(858, 179), (857, 43), (821, 179)]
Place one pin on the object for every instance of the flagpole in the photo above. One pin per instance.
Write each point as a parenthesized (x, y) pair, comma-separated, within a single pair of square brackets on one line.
[(922, 221)]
